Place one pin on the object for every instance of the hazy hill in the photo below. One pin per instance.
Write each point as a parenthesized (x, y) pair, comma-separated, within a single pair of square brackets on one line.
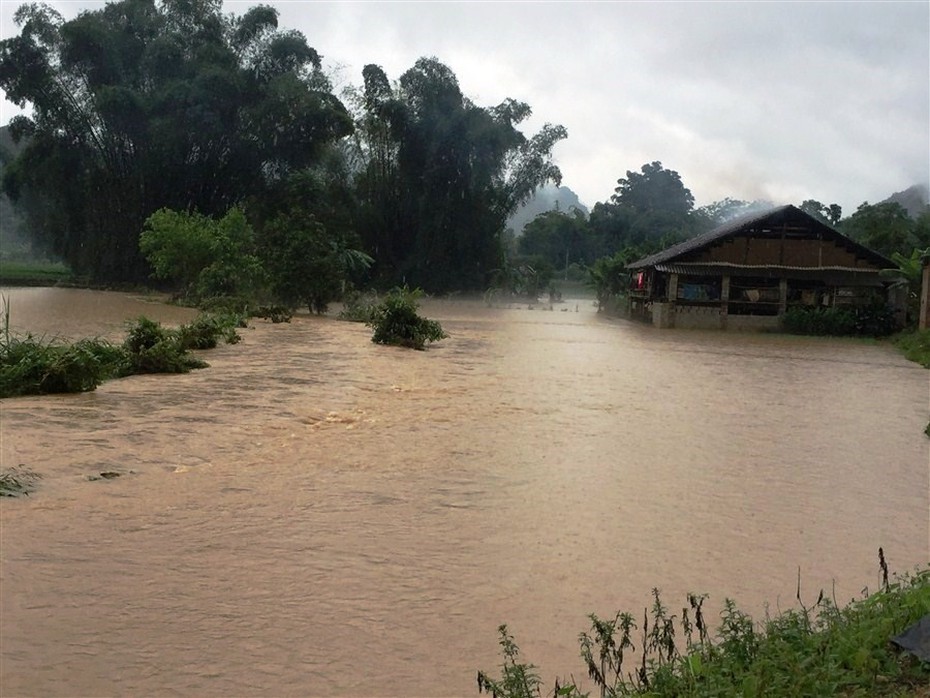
[(915, 199), (545, 199)]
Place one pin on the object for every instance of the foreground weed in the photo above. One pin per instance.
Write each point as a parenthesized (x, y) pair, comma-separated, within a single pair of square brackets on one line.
[(821, 650)]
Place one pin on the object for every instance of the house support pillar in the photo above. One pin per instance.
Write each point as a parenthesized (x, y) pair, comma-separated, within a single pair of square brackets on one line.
[(782, 296), (923, 319), (724, 300), (672, 288)]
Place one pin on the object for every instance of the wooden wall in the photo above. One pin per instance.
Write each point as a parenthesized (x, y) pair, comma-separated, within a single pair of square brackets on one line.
[(775, 250)]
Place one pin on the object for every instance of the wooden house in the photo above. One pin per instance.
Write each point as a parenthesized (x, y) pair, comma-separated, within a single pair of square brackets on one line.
[(746, 273)]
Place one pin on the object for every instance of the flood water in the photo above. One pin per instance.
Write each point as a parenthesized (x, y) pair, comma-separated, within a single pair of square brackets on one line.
[(318, 515)]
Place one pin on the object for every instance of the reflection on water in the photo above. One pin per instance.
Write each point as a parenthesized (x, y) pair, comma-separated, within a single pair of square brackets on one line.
[(315, 514)]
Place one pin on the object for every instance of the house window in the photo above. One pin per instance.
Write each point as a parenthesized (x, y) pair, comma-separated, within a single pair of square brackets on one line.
[(751, 295), (698, 289)]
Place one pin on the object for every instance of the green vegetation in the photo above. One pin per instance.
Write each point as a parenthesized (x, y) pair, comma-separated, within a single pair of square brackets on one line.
[(33, 366), (14, 273), (823, 650), (359, 307), (839, 321), (17, 481), (915, 345), (396, 321)]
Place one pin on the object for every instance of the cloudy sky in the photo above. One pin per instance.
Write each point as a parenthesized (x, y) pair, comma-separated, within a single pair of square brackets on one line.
[(775, 100)]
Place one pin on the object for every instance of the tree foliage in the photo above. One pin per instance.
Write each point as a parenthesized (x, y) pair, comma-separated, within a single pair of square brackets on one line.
[(887, 228), (204, 258), (559, 238), (143, 105), (439, 176)]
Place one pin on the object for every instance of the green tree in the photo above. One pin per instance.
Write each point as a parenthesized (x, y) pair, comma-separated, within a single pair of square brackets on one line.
[(885, 228), (145, 105), (440, 175), (559, 238), (307, 265), (654, 190), (828, 214), (646, 207), (204, 258)]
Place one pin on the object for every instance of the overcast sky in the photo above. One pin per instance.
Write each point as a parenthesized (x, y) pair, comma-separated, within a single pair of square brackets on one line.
[(782, 101)]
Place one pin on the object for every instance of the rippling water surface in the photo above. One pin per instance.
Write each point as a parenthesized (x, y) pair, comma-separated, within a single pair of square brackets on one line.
[(318, 515)]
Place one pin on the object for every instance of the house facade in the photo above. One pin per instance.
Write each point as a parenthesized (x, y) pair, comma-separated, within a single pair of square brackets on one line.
[(745, 274)]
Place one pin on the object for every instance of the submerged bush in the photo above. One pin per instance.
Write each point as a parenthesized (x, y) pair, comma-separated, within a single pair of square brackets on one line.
[(31, 366), (206, 331), (396, 321), (839, 321)]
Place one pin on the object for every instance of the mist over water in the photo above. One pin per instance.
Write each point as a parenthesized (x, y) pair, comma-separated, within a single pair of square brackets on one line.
[(318, 515)]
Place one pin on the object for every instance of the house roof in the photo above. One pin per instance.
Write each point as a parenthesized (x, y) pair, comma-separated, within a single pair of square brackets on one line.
[(746, 224)]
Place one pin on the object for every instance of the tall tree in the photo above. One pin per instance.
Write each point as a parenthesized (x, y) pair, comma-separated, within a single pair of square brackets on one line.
[(144, 105), (828, 214), (653, 190), (440, 175)]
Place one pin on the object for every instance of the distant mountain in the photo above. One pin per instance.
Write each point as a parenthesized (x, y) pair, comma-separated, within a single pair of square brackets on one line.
[(546, 198), (914, 199)]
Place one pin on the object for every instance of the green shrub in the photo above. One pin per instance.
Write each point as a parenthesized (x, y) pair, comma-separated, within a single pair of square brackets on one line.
[(838, 321), (206, 331), (153, 349), (396, 321), (29, 366)]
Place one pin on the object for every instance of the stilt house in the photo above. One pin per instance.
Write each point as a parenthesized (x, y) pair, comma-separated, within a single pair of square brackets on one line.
[(745, 274)]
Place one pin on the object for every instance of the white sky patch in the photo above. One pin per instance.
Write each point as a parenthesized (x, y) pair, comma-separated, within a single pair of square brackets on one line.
[(778, 100)]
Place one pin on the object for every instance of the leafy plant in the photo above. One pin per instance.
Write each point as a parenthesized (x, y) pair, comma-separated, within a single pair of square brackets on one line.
[(32, 366), (153, 349), (518, 680), (206, 258), (396, 321)]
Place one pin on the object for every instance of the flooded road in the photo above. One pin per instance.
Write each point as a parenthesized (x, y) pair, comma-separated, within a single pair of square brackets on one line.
[(318, 515)]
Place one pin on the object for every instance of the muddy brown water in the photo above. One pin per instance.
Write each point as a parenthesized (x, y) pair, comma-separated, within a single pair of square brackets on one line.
[(318, 515)]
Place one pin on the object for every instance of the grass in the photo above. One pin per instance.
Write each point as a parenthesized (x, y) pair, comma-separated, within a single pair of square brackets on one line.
[(33, 273), (821, 650), (915, 345)]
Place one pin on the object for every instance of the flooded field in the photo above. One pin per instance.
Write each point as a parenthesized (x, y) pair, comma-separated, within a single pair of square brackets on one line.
[(318, 515)]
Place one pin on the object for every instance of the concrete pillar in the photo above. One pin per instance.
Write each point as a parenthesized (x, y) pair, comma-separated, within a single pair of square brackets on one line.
[(782, 296), (672, 288)]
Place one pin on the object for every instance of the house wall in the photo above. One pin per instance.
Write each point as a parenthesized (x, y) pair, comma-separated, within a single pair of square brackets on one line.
[(788, 251), (684, 317)]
